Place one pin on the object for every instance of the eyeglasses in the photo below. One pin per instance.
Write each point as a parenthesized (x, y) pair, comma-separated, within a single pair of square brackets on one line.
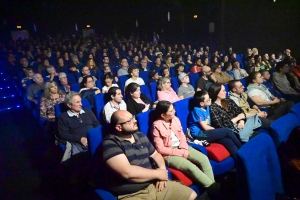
[(208, 100), (129, 121), (89, 81), (168, 82)]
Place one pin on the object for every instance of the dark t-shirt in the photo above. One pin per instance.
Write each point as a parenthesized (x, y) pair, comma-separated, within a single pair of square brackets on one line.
[(203, 84), (137, 154)]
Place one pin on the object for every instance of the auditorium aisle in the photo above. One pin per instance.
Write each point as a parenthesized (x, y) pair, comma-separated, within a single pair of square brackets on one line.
[(29, 164)]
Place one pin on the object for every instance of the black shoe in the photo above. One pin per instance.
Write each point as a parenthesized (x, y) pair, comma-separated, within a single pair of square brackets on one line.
[(214, 190)]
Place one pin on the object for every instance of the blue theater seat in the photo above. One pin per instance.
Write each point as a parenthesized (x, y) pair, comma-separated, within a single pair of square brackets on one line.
[(258, 169), (153, 91), (122, 80), (172, 71), (282, 127), (95, 137), (144, 75), (71, 78), (145, 90), (75, 87), (193, 79), (244, 82), (99, 105), (175, 84), (99, 84)]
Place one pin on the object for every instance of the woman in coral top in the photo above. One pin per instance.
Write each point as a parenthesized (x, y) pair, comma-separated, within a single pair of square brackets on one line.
[(165, 92), (170, 142)]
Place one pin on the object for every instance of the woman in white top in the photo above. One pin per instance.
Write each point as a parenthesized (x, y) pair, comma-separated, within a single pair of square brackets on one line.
[(262, 97), (108, 82)]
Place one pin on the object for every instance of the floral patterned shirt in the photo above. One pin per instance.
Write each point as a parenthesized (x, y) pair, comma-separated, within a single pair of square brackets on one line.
[(47, 106)]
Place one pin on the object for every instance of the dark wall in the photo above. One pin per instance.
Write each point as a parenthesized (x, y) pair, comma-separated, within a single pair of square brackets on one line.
[(263, 24)]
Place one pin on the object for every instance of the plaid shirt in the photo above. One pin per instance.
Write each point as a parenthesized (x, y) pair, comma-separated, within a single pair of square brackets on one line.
[(222, 118)]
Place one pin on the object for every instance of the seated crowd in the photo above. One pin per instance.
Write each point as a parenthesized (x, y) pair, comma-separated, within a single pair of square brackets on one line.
[(230, 118)]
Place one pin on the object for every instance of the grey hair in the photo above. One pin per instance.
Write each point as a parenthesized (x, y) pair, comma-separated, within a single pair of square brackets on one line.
[(49, 69), (69, 97), (161, 81), (74, 57), (61, 74)]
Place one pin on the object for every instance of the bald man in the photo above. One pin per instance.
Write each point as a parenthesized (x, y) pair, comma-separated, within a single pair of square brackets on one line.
[(125, 167), (204, 82)]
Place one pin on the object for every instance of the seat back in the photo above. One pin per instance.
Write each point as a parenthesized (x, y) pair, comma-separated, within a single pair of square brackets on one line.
[(75, 87), (99, 105), (85, 103), (226, 88), (99, 84), (296, 110), (193, 79), (244, 82), (182, 108), (175, 83), (144, 75), (172, 71), (153, 90), (99, 74), (71, 78), (258, 172), (145, 90), (282, 127), (95, 137), (144, 122), (122, 80)]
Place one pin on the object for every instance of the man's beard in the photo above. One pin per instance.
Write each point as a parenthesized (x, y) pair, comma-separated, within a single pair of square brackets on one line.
[(125, 132)]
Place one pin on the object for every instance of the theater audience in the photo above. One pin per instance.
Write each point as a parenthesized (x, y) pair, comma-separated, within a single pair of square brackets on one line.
[(153, 76), (185, 90), (265, 62), (35, 87), (92, 66), (261, 96), (197, 66), (51, 96), (165, 91), (221, 77), (143, 66), (228, 69), (28, 76), (86, 72), (52, 73), (124, 67), (238, 72), (88, 89), (107, 79), (170, 141), (134, 73), (115, 103), (204, 82), (60, 65), (179, 68), (201, 129), (168, 62), (136, 101), (129, 173), (281, 82), (225, 113), (157, 64), (45, 64), (74, 124), (165, 72), (63, 81)]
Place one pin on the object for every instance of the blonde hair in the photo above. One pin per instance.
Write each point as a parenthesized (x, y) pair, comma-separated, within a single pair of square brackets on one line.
[(161, 81), (48, 85)]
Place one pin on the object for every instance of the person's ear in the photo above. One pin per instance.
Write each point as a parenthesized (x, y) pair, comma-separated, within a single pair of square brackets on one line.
[(163, 115), (69, 105), (201, 104), (118, 127)]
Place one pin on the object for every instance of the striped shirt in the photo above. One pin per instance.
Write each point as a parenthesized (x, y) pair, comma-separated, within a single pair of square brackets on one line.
[(137, 153)]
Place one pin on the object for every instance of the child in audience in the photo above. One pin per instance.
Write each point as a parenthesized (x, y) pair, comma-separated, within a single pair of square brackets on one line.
[(201, 129), (185, 90)]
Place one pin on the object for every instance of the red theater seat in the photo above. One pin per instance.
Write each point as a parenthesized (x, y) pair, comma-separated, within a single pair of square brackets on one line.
[(178, 175), (217, 152)]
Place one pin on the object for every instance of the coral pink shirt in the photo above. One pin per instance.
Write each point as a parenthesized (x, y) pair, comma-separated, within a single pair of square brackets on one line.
[(167, 96)]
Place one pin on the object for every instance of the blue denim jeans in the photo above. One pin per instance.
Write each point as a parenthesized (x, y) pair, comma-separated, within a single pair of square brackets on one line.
[(226, 137)]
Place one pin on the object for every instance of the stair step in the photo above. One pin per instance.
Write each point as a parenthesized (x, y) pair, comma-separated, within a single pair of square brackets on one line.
[(11, 102)]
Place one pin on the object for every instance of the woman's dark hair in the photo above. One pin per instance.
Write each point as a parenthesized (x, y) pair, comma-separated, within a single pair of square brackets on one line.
[(256, 58), (252, 76), (178, 65), (199, 97), (214, 90), (162, 71), (162, 107), (214, 66), (226, 65), (84, 80), (107, 75), (131, 88)]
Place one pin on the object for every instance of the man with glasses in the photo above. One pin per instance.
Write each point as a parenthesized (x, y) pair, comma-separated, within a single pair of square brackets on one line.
[(143, 67), (116, 103), (204, 82), (73, 124), (86, 72), (124, 67), (237, 94), (131, 168)]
